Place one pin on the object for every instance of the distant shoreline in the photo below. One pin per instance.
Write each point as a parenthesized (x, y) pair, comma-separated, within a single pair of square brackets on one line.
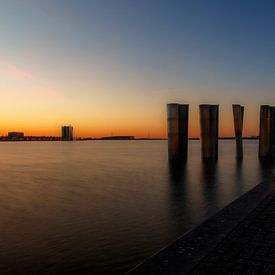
[(108, 139)]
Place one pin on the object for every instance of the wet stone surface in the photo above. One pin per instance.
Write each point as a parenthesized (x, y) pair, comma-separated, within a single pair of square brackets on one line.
[(240, 239), (249, 248)]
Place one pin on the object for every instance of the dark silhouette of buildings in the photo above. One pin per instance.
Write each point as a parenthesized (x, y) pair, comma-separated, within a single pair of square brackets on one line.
[(15, 136), (118, 138)]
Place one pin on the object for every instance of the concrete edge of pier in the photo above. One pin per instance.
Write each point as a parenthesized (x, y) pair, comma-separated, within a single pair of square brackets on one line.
[(184, 254)]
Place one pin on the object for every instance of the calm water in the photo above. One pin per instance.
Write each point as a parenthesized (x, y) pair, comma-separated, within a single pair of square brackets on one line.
[(100, 207)]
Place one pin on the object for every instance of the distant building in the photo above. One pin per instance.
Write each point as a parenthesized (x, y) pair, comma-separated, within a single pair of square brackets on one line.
[(67, 132), (15, 136)]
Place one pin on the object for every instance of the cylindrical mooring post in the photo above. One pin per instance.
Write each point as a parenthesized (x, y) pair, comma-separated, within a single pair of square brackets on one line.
[(265, 132), (177, 120), (183, 130), (209, 120), (173, 130), (272, 132), (238, 113)]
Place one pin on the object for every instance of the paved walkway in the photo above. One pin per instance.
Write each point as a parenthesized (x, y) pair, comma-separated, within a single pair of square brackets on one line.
[(249, 248), (240, 239)]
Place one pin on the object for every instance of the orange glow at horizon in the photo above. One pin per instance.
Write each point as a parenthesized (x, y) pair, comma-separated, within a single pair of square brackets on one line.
[(154, 127), (37, 110)]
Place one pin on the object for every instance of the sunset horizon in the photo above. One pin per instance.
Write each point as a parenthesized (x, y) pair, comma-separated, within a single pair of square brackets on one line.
[(159, 130), (106, 73)]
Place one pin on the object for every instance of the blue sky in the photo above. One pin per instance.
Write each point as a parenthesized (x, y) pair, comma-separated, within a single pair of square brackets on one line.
[(131, 58)]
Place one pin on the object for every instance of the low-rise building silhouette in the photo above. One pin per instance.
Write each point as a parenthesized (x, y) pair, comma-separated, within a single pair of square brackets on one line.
[(15, 136), (118, 138)]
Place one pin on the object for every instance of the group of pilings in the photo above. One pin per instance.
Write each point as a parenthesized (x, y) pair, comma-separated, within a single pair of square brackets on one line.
[(177, 116)]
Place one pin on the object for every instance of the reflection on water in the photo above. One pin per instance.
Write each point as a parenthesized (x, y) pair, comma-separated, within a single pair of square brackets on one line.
[(101, 207), (267, 168)]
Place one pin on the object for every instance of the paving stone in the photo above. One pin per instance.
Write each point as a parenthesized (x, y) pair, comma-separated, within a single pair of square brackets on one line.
[(268, 269), (256, 246), (238, 240)]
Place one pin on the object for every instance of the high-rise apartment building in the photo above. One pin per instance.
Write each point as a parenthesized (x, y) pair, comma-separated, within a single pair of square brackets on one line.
[(67, 132)]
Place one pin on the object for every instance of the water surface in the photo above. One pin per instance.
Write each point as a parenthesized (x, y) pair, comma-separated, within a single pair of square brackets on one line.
[(101, 207)]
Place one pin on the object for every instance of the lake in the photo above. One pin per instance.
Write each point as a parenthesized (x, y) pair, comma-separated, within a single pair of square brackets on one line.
[(101, 207)]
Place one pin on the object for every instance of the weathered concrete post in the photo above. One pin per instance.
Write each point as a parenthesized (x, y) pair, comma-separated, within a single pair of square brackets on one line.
[(272, 132), (173, 130), (177, 120), (265, 132), (209, 120), (183, 130), (238, 113)]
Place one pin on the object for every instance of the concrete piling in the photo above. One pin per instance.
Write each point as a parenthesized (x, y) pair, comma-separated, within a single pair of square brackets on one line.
[(238, 113), (209, 122), (173, 130), (272, 132), (177, 126), (183, 130), (265, 132), (177, 120)]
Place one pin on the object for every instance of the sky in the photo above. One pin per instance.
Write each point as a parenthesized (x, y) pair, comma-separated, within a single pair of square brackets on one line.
[(109, 67)]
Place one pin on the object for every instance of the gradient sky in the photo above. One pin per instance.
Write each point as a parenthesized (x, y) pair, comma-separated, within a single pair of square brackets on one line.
[(110, 66)]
